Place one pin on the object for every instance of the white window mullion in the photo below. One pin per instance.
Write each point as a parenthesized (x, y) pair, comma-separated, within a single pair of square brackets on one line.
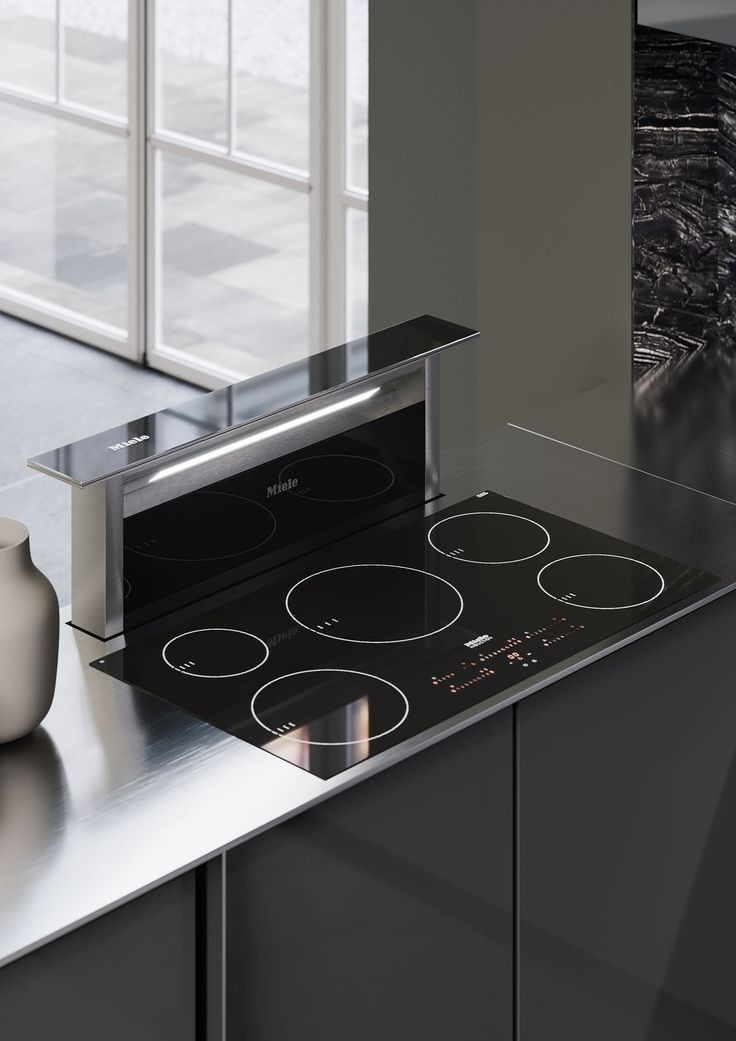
[(336, 151), (231, 86), (66, 110), (198, 151), (137, 81), (152, 220), (59, 46), (319, 331), (355, 198)]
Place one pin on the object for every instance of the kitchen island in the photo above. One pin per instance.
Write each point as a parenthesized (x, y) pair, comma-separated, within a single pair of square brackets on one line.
[(560, 866)]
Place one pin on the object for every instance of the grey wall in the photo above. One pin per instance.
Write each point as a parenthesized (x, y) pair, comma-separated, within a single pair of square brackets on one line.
[(422, 176), (500, 178)]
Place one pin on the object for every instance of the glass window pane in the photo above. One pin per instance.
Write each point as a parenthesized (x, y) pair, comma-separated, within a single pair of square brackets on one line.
[(95, 54), (235, 268), (357, 273), (191, 40), (271, 96), (28, 44), (357, 77), (63, 228)]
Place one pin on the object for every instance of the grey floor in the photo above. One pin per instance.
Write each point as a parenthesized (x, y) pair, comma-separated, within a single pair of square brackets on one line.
[(53, 391)]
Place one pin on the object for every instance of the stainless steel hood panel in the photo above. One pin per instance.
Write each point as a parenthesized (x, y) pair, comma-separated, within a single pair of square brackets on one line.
[(171, 431)]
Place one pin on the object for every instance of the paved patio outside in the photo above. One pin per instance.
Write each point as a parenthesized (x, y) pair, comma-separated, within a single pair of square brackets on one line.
[(235, 250)]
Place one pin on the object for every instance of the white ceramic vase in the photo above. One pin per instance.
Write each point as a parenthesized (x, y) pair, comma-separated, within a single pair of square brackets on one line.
[(29, 635)]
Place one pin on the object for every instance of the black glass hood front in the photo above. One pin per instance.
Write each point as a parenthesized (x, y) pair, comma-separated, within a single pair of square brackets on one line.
[(194, 545), (341, 655), (123, 448)]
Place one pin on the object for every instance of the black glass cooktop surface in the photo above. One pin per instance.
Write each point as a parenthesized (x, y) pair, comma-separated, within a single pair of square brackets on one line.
[(334, 658)]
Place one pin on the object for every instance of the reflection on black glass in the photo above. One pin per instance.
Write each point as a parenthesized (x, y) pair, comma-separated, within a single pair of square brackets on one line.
[(305, 744)]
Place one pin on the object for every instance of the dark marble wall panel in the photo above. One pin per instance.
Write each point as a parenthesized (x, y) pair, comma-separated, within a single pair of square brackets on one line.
[(676, 176), (727, 196)]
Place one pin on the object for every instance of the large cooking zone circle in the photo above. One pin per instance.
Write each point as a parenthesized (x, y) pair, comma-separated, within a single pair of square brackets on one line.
[(338, 478), (601, 581), (218, 526), (215, 654), (334, 707), (374, 603), (488, 538)]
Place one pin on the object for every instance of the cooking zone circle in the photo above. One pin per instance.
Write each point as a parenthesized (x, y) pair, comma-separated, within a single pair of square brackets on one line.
[(338, 478), (601, 581), (488, 538), (215, 654), (329, 707), (374, 603), (218, 526)]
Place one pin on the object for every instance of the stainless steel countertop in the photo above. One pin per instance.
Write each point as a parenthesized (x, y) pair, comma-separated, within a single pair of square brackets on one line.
[(119, 791)]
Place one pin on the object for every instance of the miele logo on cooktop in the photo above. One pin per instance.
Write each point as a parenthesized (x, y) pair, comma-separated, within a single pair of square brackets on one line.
[(282, 486), (285, 634), (478, 641), (127, 444)]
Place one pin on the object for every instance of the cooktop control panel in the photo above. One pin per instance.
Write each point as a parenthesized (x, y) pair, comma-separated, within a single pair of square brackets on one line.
[(338, 656)]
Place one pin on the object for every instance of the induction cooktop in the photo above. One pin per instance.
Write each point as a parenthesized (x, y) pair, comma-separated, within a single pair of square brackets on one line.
[(336, 657)]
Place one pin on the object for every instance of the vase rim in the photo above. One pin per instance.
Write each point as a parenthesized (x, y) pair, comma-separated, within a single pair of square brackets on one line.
[(12, 534)]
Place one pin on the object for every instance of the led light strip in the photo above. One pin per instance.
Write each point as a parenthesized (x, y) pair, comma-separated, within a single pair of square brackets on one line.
[(261, 435)]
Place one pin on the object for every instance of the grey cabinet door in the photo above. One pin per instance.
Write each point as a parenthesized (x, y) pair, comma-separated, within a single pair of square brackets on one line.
[(627, 811), (386, 911), (129, 976)]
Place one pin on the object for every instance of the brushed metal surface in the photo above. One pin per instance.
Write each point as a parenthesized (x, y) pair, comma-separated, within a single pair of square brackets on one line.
[(119, 791), (432, 428), (97, 557)]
